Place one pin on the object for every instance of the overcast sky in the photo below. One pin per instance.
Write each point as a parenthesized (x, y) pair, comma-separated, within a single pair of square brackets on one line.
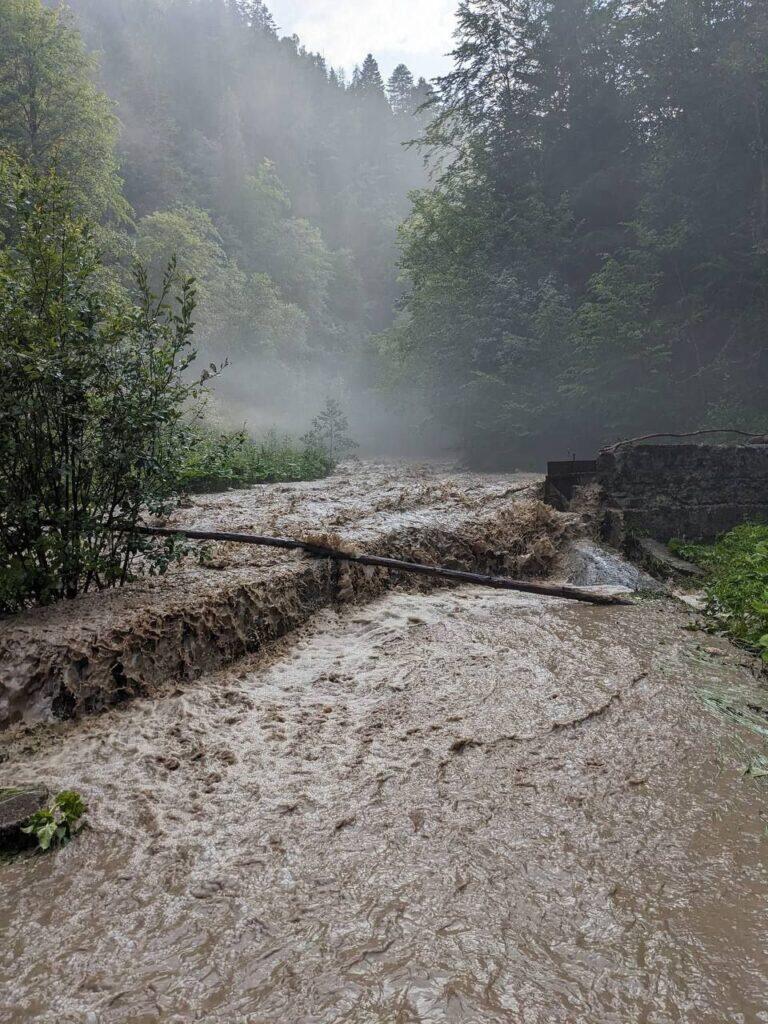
[(416, 32)]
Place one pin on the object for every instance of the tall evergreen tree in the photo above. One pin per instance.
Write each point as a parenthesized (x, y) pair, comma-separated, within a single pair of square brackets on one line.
[(369, 80), (401, 90)]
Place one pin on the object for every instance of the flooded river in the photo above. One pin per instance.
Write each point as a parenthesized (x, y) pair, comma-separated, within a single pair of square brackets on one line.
[(461, 807)]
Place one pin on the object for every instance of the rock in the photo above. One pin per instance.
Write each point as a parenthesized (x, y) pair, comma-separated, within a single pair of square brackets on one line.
[(16, 807), (697, 601), (661, 558)]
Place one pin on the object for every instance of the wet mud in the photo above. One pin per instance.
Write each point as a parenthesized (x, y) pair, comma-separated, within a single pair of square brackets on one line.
[(81, 656), (458, 806)]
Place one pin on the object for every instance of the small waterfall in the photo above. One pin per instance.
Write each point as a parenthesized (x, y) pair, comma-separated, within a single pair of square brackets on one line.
[(589, 565)]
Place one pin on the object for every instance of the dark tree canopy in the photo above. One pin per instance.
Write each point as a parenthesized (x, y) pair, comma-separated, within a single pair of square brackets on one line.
[(367, 79), (591, 260), (585, 259)]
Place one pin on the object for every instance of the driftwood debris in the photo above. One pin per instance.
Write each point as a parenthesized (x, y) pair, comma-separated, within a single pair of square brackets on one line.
[(394, 564)]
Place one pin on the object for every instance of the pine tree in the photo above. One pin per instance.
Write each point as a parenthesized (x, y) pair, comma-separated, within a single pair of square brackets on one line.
[(423, 93), (330, 432), (256, 15), (401, 90), (367, 79)]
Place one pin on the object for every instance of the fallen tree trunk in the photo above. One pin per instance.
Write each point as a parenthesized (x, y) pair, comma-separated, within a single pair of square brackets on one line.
[(393, 564)]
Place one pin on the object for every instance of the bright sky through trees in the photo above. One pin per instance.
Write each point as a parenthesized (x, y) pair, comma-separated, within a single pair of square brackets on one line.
[(416, 32)]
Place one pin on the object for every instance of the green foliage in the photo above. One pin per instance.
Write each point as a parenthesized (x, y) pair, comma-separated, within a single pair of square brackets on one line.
[(276, 184), (293, 166), (184, 234), (329, 433), (59, 823), (95, 388), (51, 113), (737, 586), (590, 260), (216, 461)]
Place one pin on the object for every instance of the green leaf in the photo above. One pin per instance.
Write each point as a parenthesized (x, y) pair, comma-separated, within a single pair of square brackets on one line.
[(45, 835)]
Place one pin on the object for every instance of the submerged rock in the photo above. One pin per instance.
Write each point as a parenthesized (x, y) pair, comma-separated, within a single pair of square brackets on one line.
[(661, 558), (17, 805)]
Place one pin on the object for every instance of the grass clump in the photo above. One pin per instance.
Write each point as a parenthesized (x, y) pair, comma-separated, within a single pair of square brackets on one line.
[(737, 584), (219, 460)]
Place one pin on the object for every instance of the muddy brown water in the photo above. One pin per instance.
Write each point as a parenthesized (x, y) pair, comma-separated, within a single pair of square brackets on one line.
[(461, 806), (80, 656)]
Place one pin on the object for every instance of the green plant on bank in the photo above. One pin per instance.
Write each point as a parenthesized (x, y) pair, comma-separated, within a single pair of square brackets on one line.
[(215, 460), (59, 823), (330, 432), (737, 583), (95, 387)]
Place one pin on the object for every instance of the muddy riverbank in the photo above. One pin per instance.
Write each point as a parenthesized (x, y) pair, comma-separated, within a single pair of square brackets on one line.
[(451, 807)]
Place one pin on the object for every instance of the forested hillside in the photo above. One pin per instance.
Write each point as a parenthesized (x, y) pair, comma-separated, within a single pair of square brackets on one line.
[(586, 259), (277, 184), (593, 261)]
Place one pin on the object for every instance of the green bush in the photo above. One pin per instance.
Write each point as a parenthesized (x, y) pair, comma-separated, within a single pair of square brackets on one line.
[(215, 461), (94, 389), (59, 823), (737, 586)]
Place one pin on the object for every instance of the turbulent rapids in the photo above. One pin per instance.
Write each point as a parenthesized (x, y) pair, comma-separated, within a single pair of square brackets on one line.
[(404, 805), (82, 656)]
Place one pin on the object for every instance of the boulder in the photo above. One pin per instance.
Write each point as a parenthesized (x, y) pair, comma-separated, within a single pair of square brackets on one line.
[(16, 807)]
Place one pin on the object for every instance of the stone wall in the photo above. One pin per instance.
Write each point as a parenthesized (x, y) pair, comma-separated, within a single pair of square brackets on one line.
[(688, 491)]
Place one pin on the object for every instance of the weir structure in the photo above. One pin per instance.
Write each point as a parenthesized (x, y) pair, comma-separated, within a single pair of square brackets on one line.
[(668, 491), (563, 590)]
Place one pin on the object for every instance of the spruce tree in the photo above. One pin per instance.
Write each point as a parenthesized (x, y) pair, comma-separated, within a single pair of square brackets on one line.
[(401, 91), (256, 15), (368, 80)]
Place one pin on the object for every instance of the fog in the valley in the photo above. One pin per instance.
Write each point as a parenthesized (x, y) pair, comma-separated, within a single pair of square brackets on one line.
[(279, 183), (323, 697), (580, 259), (382, 424)]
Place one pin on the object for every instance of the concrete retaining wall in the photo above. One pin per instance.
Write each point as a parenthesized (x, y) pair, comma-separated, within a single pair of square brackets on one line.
[(688, 491)]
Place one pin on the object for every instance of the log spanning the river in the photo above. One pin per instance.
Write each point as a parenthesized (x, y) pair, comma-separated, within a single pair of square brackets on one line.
[(393, 564)]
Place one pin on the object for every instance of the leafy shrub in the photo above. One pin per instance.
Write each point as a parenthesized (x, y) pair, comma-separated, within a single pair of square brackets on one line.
[(59, 823), (737, 588), (215, 461), (94, 391)]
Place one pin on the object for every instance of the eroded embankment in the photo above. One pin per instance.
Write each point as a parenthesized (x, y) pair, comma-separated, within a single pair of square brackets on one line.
[(84, 655)]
